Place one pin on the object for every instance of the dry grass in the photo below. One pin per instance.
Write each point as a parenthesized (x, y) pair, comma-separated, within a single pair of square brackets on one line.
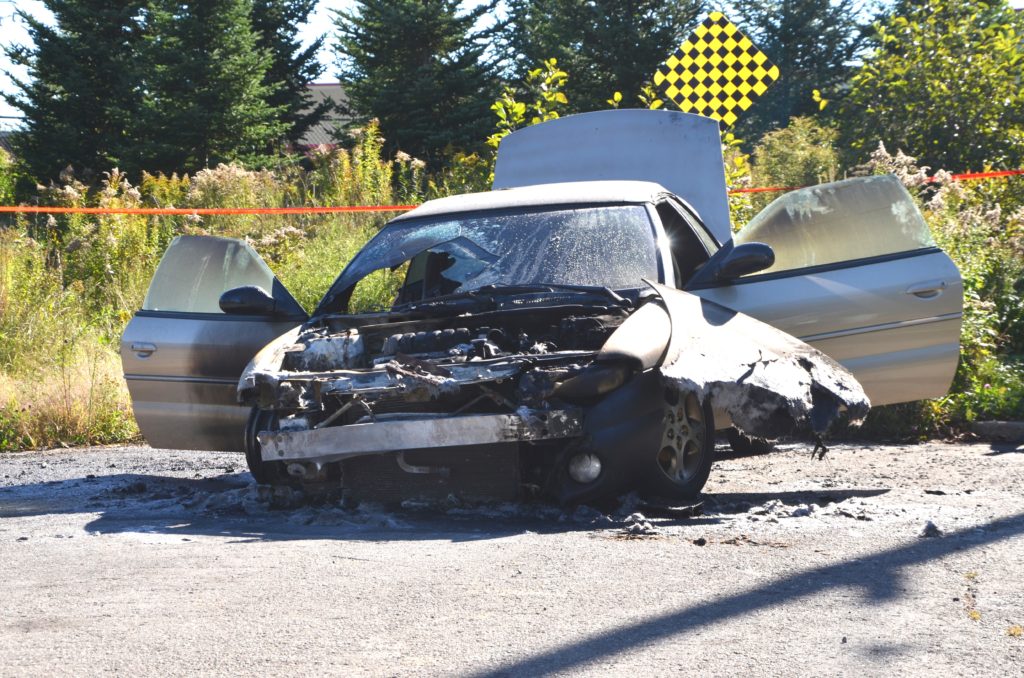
[(79, 398)]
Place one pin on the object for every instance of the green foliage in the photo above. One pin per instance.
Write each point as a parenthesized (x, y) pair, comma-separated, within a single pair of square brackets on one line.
[(737, 176), (546, 86), (292, 66), (206, 101), (81, 96), (648, 98), (58, 376), (8, 178), (541, 97), (160, 85), (352, 177), (944, 84), (812, 41), (418, 66), (466, 173), (801, 154), (608, 46)]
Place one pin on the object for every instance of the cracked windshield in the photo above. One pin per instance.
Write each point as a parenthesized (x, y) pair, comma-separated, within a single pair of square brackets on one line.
[(598, 246)]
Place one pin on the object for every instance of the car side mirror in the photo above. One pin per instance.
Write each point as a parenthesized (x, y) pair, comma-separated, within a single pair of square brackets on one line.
[(746, 258), (248, 300)]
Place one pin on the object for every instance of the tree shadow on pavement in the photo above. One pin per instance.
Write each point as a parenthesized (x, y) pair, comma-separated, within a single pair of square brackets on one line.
[(881, 576)]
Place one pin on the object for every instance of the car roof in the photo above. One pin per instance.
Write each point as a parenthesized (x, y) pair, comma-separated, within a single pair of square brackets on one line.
[(543, 195)]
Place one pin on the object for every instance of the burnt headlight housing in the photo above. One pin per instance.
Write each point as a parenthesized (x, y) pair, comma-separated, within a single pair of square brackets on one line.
[(596, 380)]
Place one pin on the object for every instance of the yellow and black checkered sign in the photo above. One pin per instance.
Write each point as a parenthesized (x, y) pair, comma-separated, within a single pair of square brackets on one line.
[(716, 72)]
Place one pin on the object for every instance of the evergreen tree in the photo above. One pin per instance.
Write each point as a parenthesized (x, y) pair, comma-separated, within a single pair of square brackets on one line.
[(206, 96), (813, 42), (605, 46), (82, 96), (292, 66), (943, 84), (419, 67)]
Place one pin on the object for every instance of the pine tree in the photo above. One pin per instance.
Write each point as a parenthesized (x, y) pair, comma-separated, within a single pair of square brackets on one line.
[(605, 46), (813, 42), (418, 67), (292, 66), (81, 97), (206, 97)]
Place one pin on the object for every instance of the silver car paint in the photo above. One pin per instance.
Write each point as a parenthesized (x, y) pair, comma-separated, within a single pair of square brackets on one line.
[(183, 382)]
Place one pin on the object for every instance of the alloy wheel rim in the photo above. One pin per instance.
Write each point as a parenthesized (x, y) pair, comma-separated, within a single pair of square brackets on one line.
[(683, 436)]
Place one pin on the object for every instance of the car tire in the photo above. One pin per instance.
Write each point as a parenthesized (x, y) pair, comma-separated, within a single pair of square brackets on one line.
[(745, 445), (264, 472), (682, 464)]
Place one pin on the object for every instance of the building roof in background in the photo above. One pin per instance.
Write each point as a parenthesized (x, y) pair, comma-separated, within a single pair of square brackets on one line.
[(323, 133), (7, 140)]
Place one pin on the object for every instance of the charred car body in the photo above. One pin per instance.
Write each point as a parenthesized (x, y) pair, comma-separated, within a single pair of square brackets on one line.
[(576, 339)]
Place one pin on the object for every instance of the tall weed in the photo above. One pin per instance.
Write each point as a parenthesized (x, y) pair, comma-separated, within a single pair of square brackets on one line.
[(70, 283)]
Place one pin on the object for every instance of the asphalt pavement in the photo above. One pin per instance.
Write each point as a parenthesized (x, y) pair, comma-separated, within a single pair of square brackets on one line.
[(879, 560)]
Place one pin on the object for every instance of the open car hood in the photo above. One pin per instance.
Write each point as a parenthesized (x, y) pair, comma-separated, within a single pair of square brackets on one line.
[(680, 151)]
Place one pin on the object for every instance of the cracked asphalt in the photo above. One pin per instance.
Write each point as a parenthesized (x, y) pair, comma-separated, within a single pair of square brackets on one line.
[(879, 560)]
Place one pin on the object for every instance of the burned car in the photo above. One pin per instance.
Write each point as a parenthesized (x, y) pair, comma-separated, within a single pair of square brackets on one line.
[(570, 339)]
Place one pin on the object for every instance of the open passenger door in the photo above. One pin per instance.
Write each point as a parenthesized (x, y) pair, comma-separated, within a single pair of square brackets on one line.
[(182, 355), (858, 276)]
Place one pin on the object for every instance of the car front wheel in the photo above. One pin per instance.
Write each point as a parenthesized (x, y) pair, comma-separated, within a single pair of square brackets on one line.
[(682, 464), (265, 472)]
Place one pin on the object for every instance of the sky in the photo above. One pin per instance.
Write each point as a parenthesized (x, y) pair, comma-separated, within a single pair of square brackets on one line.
[(13, 32)]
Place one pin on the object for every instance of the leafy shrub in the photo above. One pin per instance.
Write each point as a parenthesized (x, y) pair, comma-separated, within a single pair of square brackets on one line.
[(8, 178), (801, 154)]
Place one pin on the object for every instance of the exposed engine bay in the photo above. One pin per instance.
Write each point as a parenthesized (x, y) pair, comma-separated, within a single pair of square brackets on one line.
[(546, 391)]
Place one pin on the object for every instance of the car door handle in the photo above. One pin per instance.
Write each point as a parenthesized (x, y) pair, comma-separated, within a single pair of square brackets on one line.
[(927, 290), (143, 349)]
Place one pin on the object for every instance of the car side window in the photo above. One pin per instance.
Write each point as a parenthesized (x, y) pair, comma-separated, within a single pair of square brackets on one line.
[(841, 221), (689, 252), (195, 271)]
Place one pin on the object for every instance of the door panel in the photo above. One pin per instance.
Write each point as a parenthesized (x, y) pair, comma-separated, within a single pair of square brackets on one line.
[(182, 357), (891, 312), (899, 345), (184, 392), (900, 364)]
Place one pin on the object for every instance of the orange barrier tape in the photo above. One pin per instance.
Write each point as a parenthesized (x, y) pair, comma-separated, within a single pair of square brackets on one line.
[(205, 211), (211, 211), (983, 175)]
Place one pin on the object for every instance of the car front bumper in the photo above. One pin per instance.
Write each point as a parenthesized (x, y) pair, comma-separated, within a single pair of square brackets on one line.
[(335, 443)]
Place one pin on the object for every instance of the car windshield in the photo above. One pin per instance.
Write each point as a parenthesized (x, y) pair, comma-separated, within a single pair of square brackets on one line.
[(607, 246)]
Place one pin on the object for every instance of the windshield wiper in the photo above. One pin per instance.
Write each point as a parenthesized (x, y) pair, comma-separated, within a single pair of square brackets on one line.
[(556, 287), (487, 294), (442, 301)]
